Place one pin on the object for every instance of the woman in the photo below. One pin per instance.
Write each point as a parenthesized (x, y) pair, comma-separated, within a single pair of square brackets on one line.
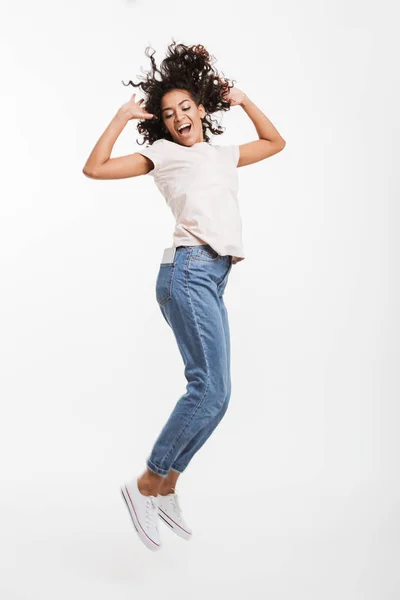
[(199, 183)]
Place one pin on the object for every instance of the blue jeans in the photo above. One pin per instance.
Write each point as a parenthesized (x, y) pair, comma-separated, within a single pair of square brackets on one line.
[(189, 292)]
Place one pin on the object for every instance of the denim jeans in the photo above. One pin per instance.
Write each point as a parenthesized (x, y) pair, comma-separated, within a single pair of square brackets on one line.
[(189, 292)]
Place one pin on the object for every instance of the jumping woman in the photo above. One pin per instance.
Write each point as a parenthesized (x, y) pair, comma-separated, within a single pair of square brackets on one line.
[(198, 180)]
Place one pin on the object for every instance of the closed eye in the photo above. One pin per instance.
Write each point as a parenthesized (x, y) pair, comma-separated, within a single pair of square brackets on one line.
[(168, 116)]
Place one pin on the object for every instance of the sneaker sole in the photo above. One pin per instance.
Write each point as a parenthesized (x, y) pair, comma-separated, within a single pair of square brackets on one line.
[(148, 542), (174, 526)]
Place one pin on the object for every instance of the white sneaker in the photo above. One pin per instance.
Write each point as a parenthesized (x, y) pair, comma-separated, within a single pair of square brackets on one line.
[(143, 511), (170, 512)]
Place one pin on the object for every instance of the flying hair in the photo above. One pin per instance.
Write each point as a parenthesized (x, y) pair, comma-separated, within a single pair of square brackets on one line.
[(188, 68)]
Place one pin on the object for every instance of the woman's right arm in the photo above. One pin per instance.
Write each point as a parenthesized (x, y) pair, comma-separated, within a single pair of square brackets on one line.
[(121, 167), (99, 165)]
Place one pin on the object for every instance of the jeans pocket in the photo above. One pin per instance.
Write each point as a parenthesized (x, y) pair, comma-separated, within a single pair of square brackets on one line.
[(206, 253), (164, 282)]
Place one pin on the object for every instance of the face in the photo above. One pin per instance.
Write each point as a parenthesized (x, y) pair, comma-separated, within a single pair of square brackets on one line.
[(177, 109)]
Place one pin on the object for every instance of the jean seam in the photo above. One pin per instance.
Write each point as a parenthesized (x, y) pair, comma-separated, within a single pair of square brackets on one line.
[(221, 297), (181, 467), (190, 418)]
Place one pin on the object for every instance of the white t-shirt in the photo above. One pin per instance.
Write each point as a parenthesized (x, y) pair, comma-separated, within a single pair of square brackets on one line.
[(200, 185)]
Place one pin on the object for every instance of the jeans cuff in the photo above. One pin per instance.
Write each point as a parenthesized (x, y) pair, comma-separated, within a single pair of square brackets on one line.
[(177, 470), (156, 469)]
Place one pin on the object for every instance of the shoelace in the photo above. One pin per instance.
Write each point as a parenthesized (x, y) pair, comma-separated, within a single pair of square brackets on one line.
[(151, 512), (174, 501)]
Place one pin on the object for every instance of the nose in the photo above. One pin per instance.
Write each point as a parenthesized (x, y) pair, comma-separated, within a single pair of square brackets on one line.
[(180, 120)]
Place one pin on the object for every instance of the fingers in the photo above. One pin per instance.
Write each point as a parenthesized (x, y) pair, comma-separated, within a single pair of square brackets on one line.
[(146, 115)]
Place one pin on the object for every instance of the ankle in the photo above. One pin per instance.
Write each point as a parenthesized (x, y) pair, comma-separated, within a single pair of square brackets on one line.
[(165, 490), (149, 484)]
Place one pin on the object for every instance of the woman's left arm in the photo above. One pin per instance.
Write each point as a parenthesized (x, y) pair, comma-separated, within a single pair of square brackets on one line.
[(270, 142)]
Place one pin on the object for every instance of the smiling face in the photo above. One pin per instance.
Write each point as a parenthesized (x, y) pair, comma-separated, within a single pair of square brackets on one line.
[(178, 108)]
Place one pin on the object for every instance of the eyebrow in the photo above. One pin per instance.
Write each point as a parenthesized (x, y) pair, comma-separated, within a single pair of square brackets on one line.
[(170, 108)]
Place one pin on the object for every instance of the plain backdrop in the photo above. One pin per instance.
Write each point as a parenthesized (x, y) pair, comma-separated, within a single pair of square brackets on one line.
[(296, 495)]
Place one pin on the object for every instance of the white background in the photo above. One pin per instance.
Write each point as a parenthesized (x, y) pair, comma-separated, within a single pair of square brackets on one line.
[(296, 494)]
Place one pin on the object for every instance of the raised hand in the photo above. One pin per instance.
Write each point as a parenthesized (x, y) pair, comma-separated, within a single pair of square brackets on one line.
[(234, 96), (134, 110)]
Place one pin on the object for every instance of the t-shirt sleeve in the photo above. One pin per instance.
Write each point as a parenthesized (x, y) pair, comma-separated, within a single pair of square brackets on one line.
[(232, 152), (235, 150), (155, 152)]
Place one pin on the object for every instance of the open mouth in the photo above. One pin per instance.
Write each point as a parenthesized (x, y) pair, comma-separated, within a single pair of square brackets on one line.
[(185, 131)]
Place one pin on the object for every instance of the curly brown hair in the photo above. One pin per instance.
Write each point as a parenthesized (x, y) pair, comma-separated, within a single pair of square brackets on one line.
[(186, 68)]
